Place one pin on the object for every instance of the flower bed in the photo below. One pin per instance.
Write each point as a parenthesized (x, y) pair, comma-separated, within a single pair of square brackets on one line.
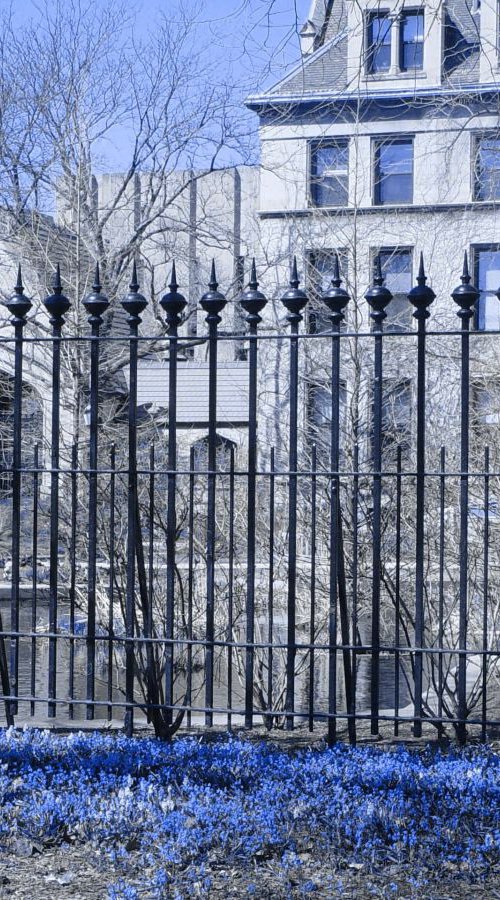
[(177, 820)]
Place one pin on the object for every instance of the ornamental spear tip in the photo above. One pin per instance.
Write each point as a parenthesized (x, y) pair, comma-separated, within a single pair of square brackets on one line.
[(173, 278), (19, 288), (134, 284), (253, 283), (213, 283)]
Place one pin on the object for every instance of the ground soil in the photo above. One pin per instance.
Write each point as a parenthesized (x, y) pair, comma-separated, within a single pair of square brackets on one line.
[(82, 872)]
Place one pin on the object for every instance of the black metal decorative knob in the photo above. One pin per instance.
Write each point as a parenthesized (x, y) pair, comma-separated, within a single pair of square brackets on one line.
[(57, 304), (18, 305), (173, 302), (252, 300), (96, 303), (336, 297), (465, 295), (134, 302), (378, 296), (294, 299), (213, 301), (421, 296)]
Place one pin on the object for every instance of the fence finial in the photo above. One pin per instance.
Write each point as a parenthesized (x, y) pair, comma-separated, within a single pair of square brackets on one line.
[(253, 284), (213, 283), (173, 302), (18, 305), (465, 277), (213, 301), (421, 277), (378, 296), (134, 302), (56, 281), (336, 297), (56, 303), (252, 300), (19, 288), (134, 283), (173, 278), (466, 294), (96, 302), (97, 286), (421, 296), (294, 299)]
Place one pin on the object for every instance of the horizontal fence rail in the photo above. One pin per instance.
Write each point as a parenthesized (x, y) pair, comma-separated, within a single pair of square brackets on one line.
[(291, 527)]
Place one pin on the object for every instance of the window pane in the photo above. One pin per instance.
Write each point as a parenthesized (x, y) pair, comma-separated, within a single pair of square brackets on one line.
[(394, 172), (379, 40), (488, 169), (396, 418), (330, 174), (397, 271), (488, 281), (412, 38), (320, 278)]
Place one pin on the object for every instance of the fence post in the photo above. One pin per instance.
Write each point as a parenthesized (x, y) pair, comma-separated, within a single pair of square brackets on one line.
[(19, 306), (465, 296), (421, 297), (56, 305), (378, 298), (95, 304), (253, 302), (173, 303), (336, 299), (212, 302), (294, 301), (134, 303)]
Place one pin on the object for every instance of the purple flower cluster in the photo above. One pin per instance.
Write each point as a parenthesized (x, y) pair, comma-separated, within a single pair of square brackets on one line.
[(179, 808)]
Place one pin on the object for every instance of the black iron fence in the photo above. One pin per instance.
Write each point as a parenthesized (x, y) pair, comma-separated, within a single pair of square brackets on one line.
[(314, 544)]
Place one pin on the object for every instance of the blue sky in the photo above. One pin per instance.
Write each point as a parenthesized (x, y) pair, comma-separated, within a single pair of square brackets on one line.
[(250, 43)]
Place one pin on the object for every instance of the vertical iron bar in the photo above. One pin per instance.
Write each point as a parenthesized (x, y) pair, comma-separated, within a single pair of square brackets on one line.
[(442, 469), (189, 674), (34, 586), (72, 583), (312, 614), (212, 302), (486, 551), (57, 305), (397, 592), (294, 301), (230, 599), (253, 302), (270, 591), (111, 611), (421, 297), (465, 296), (18, 306), (173, 303), (134, 303), (354, 572), (148, 617), (95, 304), (378, 297)]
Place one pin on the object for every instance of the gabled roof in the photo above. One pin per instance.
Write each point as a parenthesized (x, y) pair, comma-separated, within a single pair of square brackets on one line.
[(325, 70)]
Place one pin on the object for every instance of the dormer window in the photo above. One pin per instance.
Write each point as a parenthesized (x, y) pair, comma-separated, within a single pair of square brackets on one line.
[(411, 41), (395, 42), (379, 42)]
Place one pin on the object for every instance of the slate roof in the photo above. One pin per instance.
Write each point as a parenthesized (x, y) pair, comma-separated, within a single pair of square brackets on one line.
[(192, 390), (325, 70)]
